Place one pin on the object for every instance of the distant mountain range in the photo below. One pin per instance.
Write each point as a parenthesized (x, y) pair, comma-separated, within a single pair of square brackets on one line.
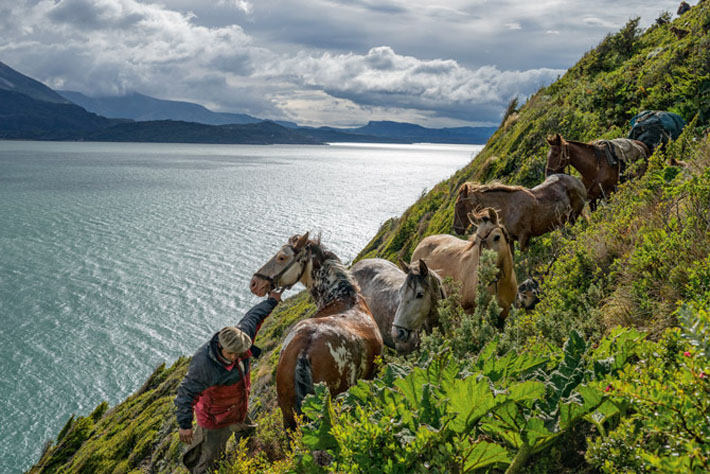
[(13, 81), (31, 110), (143, 108), (416, 133)]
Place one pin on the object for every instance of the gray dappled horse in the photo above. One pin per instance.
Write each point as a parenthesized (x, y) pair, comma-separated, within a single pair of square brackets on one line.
[(402, 302)]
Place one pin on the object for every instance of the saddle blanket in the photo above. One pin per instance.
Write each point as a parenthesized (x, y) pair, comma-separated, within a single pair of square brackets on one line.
[(621, 149)]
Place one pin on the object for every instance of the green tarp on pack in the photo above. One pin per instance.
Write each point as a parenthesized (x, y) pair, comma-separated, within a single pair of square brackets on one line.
[(654, 127)]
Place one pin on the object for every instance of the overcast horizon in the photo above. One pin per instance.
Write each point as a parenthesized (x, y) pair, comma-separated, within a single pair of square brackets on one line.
[(321, 62)]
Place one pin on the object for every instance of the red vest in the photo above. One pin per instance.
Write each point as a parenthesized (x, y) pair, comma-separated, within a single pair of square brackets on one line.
[(222, 405)]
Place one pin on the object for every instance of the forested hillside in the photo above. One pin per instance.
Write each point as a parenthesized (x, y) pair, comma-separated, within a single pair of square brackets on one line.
[(609, 372)]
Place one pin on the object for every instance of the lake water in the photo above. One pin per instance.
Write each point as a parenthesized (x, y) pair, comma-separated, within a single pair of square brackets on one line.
[(115, 258)]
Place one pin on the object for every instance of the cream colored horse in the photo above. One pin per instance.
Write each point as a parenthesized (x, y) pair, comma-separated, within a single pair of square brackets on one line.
[(452, 257)]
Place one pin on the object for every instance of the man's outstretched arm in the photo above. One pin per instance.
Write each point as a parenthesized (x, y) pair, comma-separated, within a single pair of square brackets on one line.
[(251, 321)]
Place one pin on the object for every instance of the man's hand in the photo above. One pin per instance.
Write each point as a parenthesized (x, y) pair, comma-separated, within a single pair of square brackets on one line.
[(185, 435), (276, 295)]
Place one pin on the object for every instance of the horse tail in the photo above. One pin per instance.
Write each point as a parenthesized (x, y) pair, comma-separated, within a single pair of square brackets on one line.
[(302, 379)]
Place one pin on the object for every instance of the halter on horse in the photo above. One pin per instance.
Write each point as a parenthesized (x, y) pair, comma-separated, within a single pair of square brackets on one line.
[(338, 345)]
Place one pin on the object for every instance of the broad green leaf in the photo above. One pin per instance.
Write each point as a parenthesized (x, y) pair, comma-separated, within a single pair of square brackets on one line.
[(584, 401), (486, 359), (503, 428), (568, 374), (592, 396), (360, 393), (316, 435), (605, 411), (411, 387), (469, 400), (484, 454), (536, 432), (530, 390), (314, 403)]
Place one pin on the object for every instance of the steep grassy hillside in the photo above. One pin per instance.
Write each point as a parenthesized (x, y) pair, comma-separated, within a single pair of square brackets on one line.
[(608, 374), (628, 72)]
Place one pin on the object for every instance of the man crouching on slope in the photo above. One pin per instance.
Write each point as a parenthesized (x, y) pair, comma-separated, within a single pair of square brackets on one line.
[(217, 384)]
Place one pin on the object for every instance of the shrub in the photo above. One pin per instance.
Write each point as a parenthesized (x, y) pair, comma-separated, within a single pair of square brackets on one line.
[(668, 395)]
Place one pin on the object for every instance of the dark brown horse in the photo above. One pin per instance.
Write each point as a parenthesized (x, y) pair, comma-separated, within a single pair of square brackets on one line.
[(525, 212), (338, 345), (599, 177)]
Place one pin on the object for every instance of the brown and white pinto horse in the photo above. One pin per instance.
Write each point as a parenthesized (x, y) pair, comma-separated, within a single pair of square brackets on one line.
[(338, 345), (599, 177)]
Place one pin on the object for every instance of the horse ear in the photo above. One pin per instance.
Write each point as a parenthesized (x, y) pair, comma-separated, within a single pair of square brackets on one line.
[(550, 139), (493, 215), (423, 269), (302, 241), (463, 190), (403, 265)]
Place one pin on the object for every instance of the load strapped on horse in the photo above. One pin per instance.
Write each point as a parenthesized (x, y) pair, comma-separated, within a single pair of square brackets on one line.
[(656, 127)]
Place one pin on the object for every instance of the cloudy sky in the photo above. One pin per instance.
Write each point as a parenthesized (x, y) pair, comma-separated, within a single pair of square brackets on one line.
[(314, 62)]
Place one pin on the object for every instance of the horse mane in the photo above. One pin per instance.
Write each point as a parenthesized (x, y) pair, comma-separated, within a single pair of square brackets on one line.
[(585, 144), (496, 186), (332, 280), (319, 250), (552, 139)]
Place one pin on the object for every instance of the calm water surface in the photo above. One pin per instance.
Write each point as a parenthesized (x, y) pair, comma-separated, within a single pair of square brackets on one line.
[(115, 258)]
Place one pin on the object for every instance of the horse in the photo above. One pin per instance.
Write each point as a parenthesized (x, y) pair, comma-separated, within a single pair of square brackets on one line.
[(419, 298), (387, 289), (599, 177), (525, 212), (379, 281), (339, 344), (452, 257), (528, 294)]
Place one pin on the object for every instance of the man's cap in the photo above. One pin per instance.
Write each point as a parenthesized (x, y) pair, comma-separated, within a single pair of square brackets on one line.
[(234, 340)]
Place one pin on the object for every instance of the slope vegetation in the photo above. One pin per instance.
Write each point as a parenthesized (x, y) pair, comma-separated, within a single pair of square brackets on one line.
[(609, 373)]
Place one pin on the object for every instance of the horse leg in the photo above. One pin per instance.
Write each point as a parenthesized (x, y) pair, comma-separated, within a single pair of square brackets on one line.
[(286, 384), (524, 241), (290, 424)]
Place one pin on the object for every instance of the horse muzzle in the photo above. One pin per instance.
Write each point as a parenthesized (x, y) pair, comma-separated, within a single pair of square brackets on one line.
[(407, 344), (260, 286), (400, 334)]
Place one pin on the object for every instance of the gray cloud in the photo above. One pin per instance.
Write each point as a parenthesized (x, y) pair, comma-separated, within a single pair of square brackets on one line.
[(318, 61), (384, 77), (378, 6)]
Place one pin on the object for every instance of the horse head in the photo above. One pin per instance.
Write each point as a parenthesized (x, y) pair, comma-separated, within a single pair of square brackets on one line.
[(528, 294), (464, 204), (284, 269), (557, 156), (490, 231), (418, 297)]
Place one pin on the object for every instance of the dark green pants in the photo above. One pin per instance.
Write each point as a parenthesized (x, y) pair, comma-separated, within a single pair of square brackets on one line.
[(208, 446)]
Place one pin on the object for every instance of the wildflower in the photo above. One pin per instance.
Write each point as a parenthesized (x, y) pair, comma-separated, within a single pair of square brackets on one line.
[(702, 375), (608, 388), (686, 353)]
